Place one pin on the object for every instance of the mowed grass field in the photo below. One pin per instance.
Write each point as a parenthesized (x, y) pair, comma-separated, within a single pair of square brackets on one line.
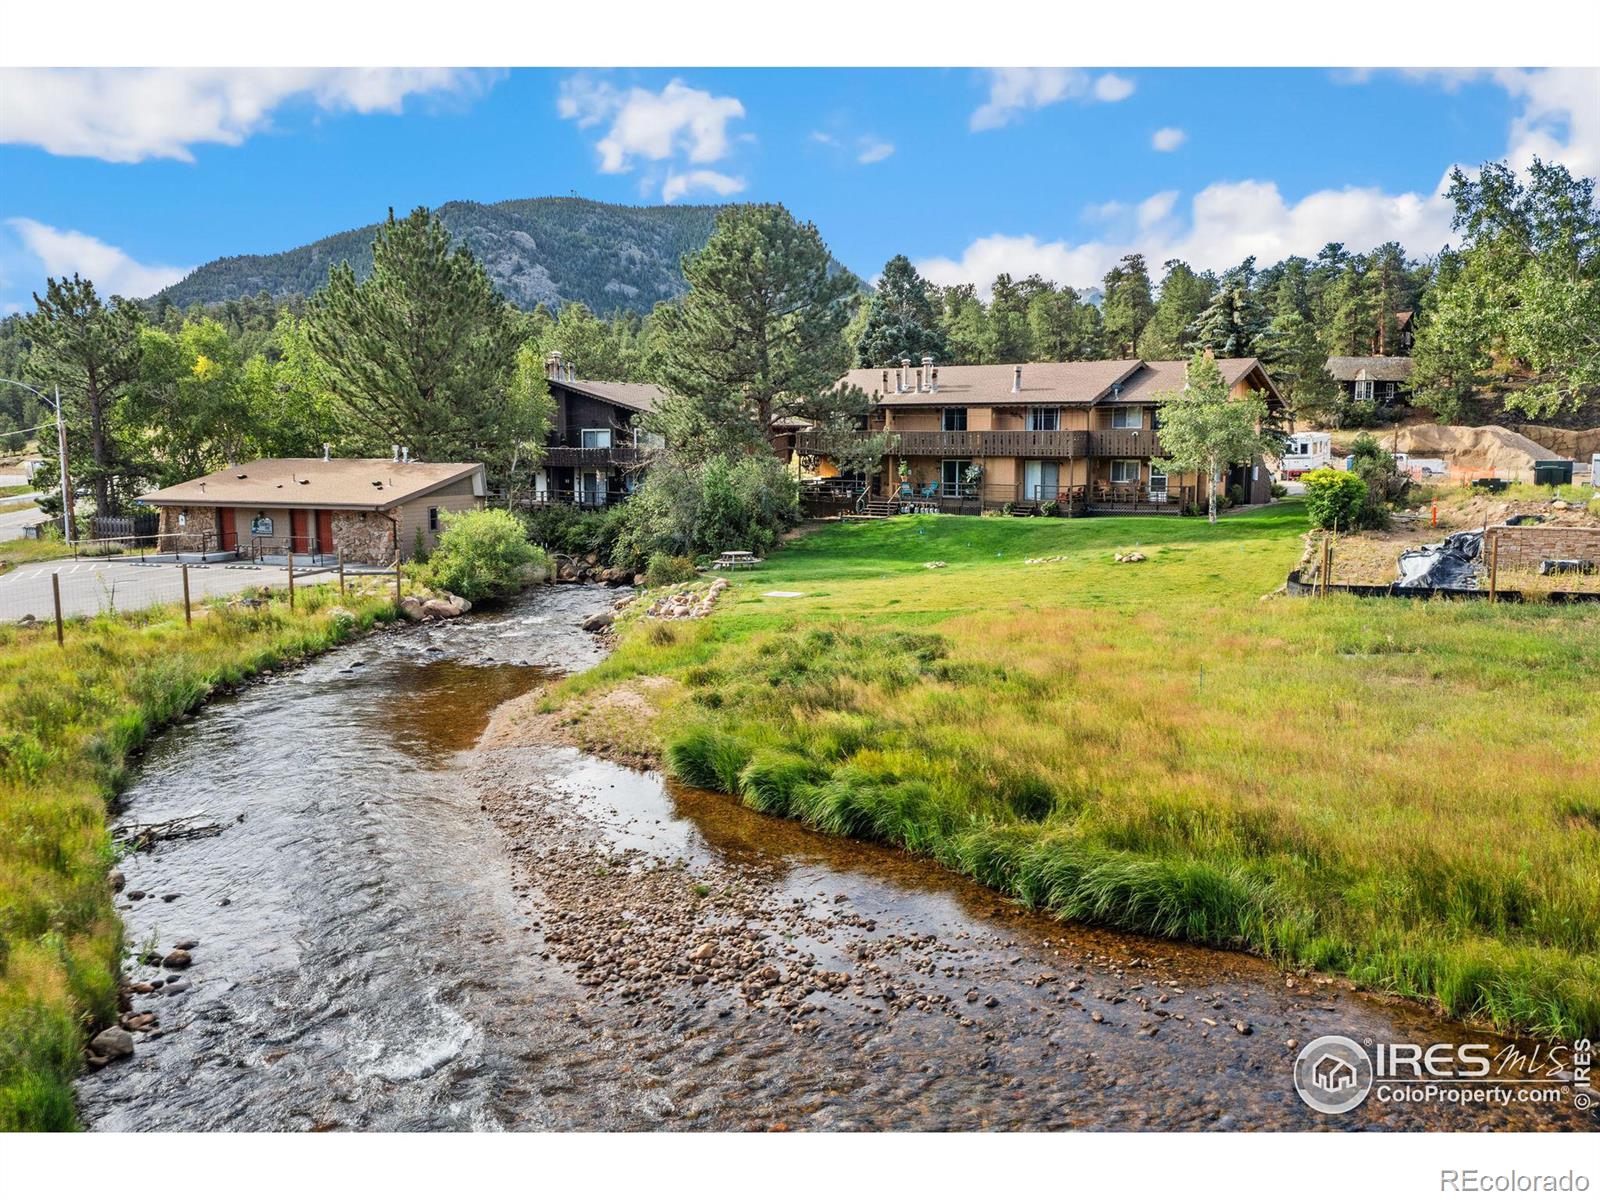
[(1405, 792)]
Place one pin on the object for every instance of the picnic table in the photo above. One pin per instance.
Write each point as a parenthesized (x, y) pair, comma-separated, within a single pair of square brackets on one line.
[(736, 558)]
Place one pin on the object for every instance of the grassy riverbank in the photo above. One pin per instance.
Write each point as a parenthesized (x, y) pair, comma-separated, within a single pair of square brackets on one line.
[(70, 720), (1403, 792)]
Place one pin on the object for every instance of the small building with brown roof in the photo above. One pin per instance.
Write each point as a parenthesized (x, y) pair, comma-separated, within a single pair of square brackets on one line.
[(369, 510), (1372, 378)]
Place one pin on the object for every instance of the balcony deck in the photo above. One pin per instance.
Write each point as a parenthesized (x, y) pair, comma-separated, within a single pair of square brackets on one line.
[(1010, 443)]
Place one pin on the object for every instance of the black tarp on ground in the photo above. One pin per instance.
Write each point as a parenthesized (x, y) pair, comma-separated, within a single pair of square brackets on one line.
[(1452, 563)]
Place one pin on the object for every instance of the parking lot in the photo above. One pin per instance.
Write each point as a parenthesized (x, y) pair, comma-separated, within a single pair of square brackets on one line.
[(91, 586)]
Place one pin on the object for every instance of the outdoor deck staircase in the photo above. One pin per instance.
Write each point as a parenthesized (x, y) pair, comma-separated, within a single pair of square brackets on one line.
[(875, 508)]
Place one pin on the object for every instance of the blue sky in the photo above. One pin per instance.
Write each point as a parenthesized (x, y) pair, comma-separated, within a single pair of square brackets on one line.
[(133, 176)]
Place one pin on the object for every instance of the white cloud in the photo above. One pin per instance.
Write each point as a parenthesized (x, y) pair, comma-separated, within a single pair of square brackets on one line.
[(1558, 120), (1225, 223), (873, 151), (676, 121), (1013, 90), (1168, 138), (1111, 88), (679, 185), (66, 252), (129, 115)]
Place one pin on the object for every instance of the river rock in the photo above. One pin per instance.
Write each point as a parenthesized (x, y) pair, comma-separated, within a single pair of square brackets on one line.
[(440, 608), (412, 609), (117, 879), (111, 1043), (595, 622), (176, 959)]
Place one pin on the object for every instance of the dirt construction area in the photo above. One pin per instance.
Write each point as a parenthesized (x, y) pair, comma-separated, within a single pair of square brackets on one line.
[(1539, 520)]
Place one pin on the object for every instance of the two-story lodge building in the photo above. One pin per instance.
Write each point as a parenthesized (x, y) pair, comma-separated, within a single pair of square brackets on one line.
[(1080, 435)]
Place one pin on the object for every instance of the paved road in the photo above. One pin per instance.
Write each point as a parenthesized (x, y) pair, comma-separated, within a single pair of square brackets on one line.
[(90, 586), (13, 523)]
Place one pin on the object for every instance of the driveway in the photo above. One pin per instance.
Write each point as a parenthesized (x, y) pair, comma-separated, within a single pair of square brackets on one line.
[(95, 585)]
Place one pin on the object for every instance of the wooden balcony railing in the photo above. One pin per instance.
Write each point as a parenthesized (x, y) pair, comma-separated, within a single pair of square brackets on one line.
[(1125, 443), (594, 456), (972, 443)]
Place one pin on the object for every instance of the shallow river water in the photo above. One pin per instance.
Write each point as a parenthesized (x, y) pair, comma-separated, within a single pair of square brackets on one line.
[(400, 929)]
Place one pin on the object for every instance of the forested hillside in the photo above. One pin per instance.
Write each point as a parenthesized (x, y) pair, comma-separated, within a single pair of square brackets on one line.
[(610, 257)]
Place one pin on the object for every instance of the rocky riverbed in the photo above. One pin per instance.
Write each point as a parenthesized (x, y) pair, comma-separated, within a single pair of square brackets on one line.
[(435, 916)]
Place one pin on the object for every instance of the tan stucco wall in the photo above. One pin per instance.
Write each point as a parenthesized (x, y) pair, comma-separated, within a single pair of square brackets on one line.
[(413, 515)]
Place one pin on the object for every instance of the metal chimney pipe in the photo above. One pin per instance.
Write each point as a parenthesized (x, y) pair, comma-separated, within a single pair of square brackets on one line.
[(927, 372), (394, 451), (326, 449), (1016, 379)]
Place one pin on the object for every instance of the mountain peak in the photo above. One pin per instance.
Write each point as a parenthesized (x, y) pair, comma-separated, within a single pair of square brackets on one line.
[(545, 250)]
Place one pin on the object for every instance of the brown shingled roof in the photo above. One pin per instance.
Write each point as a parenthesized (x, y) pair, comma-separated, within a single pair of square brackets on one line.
[(1380, 367), (641, 397), (1070, 383), (1167, 375), (369, 483)]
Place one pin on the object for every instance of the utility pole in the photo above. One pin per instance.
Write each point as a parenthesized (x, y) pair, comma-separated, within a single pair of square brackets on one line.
[(69, 521), (68, 524)]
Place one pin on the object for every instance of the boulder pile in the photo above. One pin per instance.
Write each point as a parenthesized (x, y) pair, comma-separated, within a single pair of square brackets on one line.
[(436, 608), (1053, 558), (587, 569), (685, 604), (935, 565), (1129, 556)]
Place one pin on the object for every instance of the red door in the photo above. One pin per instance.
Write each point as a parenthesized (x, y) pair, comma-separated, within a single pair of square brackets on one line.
[(300, 530), (227, 531), (324, 531)]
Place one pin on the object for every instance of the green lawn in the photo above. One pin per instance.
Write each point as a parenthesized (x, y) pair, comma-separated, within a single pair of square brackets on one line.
[(70, 718), (1406, 792)]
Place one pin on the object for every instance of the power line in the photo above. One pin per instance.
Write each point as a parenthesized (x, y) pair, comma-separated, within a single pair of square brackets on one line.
[(29, 429)]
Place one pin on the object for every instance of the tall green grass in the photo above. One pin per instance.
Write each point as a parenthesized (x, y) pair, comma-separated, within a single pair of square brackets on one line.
[(70, 720), (1401, 791)]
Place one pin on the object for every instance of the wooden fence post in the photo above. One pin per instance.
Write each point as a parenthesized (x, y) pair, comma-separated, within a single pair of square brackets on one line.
[(397, 596), (341, 575), (55, 589), (291, 578), (188, 615)]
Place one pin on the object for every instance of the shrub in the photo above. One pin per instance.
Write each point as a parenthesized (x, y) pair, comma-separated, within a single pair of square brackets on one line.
[(1235, 495), (483, 555), (1334, 498), (666, 569), (1048, 508), (1279, 491), (726, 502)]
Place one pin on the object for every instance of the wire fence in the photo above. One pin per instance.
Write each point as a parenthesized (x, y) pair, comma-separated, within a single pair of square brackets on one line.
[(61, 590)]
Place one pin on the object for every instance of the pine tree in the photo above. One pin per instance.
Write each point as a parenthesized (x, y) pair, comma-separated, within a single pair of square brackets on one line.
[(965, 324), (421, 353), (1184, 296), (1009, 337), (1232, 323), (902, 320), (91, 350), (1126, 307), (759, 336)]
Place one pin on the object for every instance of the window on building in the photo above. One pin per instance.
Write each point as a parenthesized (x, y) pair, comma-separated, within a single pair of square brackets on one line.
[(433, 520), (954, 420), (954, 475), (1364, 389), (1127, 417), (1158, 484), (1125, 470), (1388, 389), (1044, 418), (595, 439)]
